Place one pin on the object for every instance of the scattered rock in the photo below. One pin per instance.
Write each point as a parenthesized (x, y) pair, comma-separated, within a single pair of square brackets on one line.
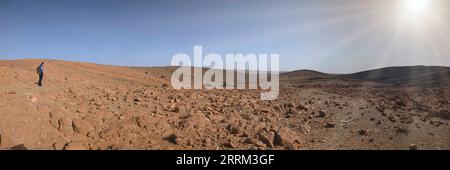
[(250, 141), (235, 129), (195, 120), (362, 132), (444, 114), (19, 147), (401, 130), (321, 114), (392, 118), (175, 108), (330, 125), (230, 144), (206, 142), (379, 122), (405, 119), (400, 104), (293, 111), (138, 110), (263, 110), (436, 123), (284, 137), (266, 137)]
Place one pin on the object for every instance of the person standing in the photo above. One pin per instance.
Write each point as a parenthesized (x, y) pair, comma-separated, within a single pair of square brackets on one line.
[(40, 71)]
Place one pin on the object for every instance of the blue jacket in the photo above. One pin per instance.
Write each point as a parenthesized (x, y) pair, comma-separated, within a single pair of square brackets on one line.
[(41, 69)]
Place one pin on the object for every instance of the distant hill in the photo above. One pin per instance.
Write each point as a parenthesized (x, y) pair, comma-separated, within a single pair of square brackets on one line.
[(423, 76), (418, 76), (306, 73)]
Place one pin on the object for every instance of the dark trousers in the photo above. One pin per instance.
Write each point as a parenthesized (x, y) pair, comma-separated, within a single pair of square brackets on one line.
[(41, 76)]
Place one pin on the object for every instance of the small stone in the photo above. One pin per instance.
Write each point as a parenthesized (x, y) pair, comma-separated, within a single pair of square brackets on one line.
[(413, 147), (400, 104), (174, 108), (330, 125), (379, 122), (362, 132), (321, 114), (33, 99), (207, 141), (402, 130), (251, 141), (230, 144), (263, 110), (235, 129), (293, 111), (284, 137), (266, 137), (392, 118), (10, 92)]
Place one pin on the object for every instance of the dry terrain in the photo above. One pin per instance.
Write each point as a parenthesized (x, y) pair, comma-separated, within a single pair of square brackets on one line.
[(90, 106)]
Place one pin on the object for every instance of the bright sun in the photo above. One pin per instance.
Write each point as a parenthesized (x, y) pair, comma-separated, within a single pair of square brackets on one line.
[(415, 11), (417, 6)]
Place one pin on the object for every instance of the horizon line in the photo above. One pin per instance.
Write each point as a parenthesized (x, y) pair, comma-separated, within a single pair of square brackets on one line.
[(281, 71)]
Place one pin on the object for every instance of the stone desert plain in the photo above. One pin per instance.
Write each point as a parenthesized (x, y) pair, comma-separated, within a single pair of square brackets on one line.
[(89, 107)]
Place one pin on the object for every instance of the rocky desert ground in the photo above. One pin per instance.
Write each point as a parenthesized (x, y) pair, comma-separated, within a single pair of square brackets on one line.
[(91, 106)]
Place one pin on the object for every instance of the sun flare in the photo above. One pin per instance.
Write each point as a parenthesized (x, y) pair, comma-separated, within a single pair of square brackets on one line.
[(416, 12), (417, 6)]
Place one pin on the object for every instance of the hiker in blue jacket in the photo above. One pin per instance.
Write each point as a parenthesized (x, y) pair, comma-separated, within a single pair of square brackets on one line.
[(40, 71)]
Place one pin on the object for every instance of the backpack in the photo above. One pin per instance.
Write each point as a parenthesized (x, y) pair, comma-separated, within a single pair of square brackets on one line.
[(38, 69)]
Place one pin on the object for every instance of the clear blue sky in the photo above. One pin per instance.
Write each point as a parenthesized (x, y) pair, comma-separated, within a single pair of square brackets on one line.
[(335, 36)]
